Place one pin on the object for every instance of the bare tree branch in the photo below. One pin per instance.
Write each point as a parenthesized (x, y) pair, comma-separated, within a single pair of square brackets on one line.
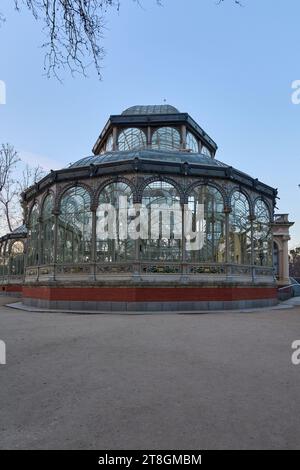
[(14, 179), (8, 161), (74, 31)]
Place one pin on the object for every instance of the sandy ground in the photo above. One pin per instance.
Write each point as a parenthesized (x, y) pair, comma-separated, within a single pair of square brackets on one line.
[(212, 381)]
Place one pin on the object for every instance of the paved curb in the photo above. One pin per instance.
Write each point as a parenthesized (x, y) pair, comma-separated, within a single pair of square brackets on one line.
[(21, 306)]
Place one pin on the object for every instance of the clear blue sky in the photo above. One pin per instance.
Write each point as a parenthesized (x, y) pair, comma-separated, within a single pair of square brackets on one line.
[(231, 68)]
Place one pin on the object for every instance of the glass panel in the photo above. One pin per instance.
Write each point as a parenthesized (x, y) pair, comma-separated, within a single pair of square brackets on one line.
[(160, 194), (33, 237), (109, 144), (75, 227), (191, 143), (6, 258), (116, 249), (132, 139), (213, 249), (205, 151), (166, 138), (240, 229), (3, 260), (47, 234), (17, 258), (262, 235)]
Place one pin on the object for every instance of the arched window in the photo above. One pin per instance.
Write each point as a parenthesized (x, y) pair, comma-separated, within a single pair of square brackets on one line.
[(166, 138), (132, 139), (47, 234), (162, 203), (206, 151), (17, 258), (213, 242), (240, 229), (262, 235), (75, 227), (191, 143), (113, 243), (33, 237)]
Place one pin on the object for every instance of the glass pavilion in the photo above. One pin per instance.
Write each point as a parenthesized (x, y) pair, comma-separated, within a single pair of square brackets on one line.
[(149, 155)]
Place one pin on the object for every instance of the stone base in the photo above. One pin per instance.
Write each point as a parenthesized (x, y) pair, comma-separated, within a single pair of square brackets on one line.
[(149, 299)]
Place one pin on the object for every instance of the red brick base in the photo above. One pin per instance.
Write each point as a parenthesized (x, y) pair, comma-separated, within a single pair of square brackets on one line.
[(149, 294), (11, 288)]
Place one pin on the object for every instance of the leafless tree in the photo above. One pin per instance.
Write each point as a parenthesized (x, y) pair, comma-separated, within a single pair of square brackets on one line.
[(15, 177), (8, 161), (74, 31), (30, 175)]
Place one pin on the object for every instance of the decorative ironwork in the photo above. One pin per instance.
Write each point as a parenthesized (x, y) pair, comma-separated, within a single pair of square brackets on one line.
[(114, 269), (161, 269), (74, 269), (235, 269), (202, 269), (263, 271), (31, 272), (43, 271)]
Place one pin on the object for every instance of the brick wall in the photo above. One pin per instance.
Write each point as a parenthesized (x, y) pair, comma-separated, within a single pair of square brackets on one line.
[(149, 294)]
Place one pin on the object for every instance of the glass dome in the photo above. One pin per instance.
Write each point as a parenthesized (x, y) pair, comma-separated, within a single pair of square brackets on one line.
[(150, 109)]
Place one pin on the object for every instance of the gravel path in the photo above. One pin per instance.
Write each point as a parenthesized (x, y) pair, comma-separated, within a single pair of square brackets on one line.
[(213, 381)]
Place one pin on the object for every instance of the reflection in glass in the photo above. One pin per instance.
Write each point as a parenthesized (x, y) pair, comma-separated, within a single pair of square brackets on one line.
[(191, 143), (205, 151), (166, 138), (132, 139)]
